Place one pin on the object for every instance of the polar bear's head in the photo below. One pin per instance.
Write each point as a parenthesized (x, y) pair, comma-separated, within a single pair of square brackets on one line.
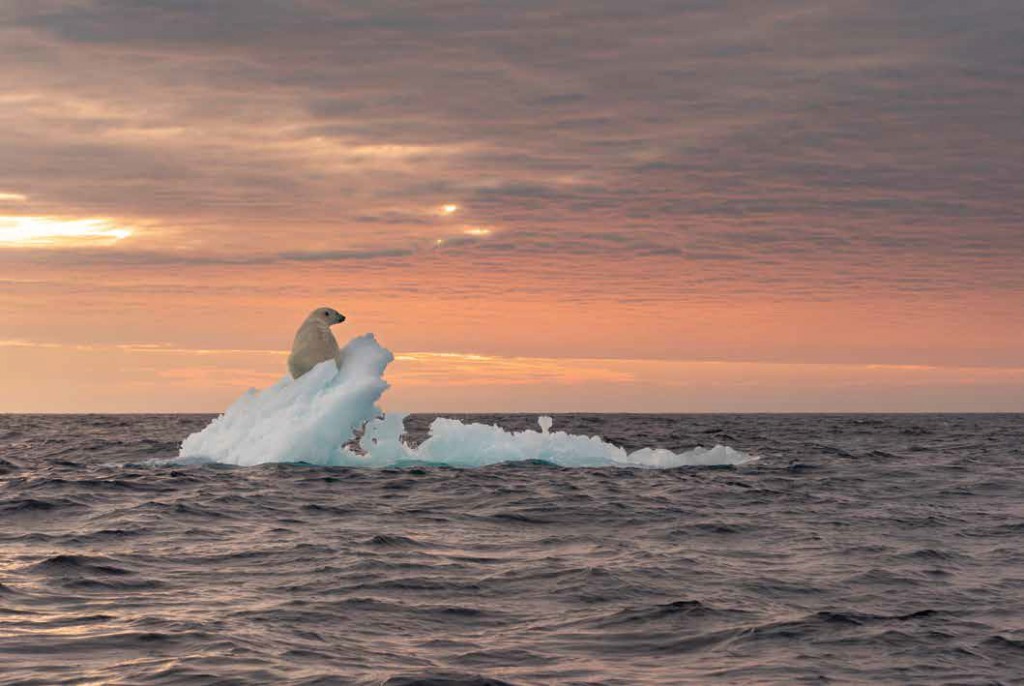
[(327, 315)]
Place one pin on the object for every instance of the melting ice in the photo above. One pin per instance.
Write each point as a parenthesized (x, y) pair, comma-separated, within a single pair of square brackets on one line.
[(314, 419)]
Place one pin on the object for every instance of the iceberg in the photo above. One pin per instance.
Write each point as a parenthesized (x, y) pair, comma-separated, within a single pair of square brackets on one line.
[(317, 419)]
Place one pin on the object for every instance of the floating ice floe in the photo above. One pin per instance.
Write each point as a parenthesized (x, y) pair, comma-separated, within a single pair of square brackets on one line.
[(315, 418)]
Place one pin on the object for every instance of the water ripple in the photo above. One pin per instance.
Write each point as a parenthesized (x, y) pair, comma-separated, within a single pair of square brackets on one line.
[(859, 549)]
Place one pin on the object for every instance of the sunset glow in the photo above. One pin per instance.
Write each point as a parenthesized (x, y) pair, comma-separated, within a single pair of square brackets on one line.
[(758, 199), (46, 231)]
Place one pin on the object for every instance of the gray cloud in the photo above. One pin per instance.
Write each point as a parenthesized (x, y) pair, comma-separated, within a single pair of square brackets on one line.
[(836, 138)]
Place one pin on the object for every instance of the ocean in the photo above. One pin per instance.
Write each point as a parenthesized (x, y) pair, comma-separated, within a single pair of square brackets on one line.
[(856, 549)]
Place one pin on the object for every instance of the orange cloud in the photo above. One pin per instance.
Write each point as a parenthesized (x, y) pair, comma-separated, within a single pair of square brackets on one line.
[(583, 221)]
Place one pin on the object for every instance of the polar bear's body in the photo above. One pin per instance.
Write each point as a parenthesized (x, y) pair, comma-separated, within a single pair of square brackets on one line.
[(314, 342)]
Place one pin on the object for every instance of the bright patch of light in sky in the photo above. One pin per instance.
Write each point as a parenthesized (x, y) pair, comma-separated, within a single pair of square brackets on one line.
[(35, 231), (13, 197), (477, 231), (449, 209)]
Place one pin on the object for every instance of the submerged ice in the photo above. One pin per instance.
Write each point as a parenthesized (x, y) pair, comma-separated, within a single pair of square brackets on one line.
[(315, 419)]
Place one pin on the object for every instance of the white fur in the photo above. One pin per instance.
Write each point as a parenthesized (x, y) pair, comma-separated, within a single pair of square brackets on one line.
[(314, 342)]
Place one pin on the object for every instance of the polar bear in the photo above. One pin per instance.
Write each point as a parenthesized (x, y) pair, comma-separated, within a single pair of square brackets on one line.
[(314, 341)]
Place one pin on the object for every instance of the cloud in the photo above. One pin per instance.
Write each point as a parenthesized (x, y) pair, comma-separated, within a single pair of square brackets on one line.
[(81, 257), (674, 150)]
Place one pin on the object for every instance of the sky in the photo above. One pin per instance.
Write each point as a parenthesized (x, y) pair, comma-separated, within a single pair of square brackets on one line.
[(685, 206)]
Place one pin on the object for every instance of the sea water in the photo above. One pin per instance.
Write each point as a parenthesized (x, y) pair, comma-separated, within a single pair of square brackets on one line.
[(859, 549)]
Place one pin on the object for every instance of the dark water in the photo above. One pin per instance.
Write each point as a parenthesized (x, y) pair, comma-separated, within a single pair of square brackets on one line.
[(859, 549)]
